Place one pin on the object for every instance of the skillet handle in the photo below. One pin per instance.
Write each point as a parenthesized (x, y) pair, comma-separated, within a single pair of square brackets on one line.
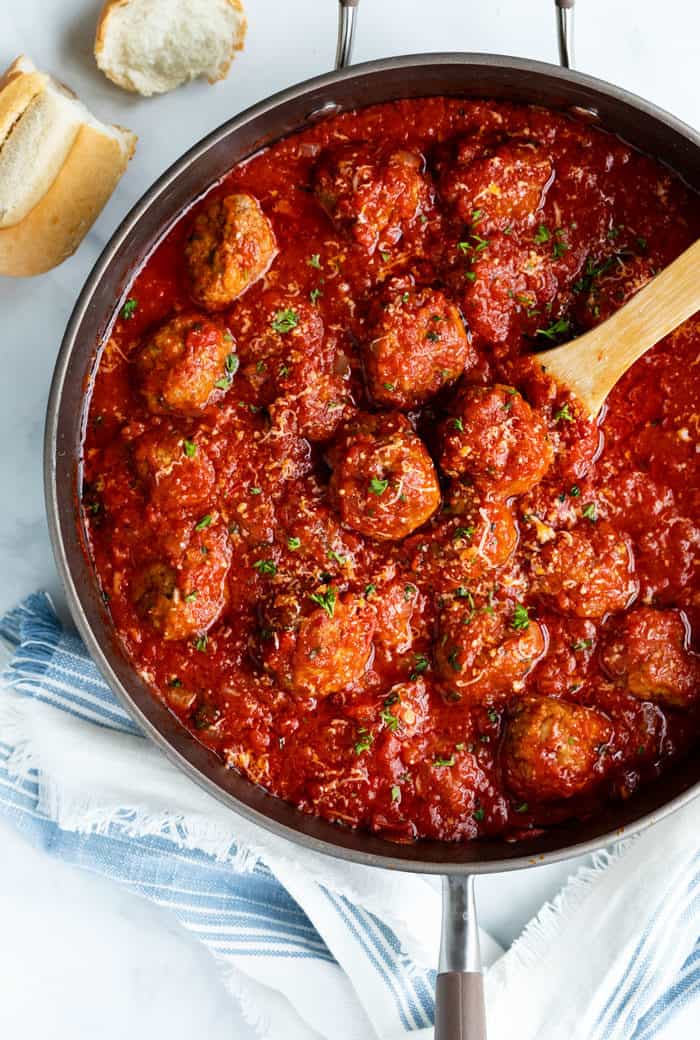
[(460, 1013), (565, 32), (347, 19)]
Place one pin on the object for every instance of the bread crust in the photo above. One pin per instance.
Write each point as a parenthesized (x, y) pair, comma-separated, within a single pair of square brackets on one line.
[(52, 230), (121, 81)]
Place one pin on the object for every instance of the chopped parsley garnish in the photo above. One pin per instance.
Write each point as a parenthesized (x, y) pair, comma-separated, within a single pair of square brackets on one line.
[(409, 592), (420, 664), (542, 234), (560, 245), (582, 644), (439, 762), (493, 715), (326, 600), (191, 596), (315, 261), (390, 721), (575, 491), (396, 793), (405, 297), (523, 807), (613, 233), (453, 659), (254, 491), (265, 566), (377, 486), (285, 321), (333, 555), (461, 592), (470, 276), (370, 590), (590, 512), (201, 643), (129, 308), (477, 215), (204, 522), (464, 532), (189, 448), (314, 295), (563, 415), (641, 242), (365, 741), (432, 336), (389, 386), (557, 328), (478, 814), (293, 542), (231, 366), (520, 619), (174, 681), (458, 425)]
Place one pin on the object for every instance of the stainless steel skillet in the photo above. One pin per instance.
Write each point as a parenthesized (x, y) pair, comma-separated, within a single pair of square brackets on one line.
[(459, 1009)]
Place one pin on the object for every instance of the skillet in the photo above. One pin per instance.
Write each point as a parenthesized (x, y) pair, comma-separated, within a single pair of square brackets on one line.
[(459, 995)]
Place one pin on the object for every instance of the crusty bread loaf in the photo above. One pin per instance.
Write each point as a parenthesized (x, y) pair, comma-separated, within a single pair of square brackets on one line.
[(152, 46), (58, 167)]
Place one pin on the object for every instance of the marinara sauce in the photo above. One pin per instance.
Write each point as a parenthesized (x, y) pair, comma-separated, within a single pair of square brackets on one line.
[(349, 533)]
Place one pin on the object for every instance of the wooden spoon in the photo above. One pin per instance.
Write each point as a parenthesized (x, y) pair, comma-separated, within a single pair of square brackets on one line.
[(591, 365)]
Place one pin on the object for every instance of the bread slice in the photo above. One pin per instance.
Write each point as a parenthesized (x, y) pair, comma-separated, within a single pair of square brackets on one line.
[(58, 167), (152, 46)]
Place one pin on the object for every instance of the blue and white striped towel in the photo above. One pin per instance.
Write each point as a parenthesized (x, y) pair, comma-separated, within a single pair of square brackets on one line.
[(311, 946)]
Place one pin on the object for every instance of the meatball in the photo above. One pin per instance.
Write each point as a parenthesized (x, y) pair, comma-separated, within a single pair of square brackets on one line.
[(565, 667), (480, 535), (604, 287), (647, 649), (231, 246), (326, 650), (496, 438), (418, 345), (374, 194), (586, 573), (503, 190), (395, 604), (178, 472), (406, 708), (384, 483), (554, 749), (185, 599), (186, 365), (485, 648)]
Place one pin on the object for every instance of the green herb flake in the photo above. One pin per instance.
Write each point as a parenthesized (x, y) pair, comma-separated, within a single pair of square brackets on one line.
[(189, 448), (477, 215), (386, 257), (293, 543), (396, 793), (315, 294), (575, 491), (453, 660), (420, 665), (191, 596), (390, 720), (462, 592), (254, 491), (315, 261), (389, 386), (201, 643), (438, 763), (336, 557), (409, 593), (370, 590), (523, 807), (265, 567), (326, 600), (285, 320), (493, 715), (563, 415), (432, 336), (521, 618), (542, 235), (478, 815), (377, 486), (129, 309), (582, 644), (175, 681), (470, 276), (590, 512), (557, 328), (458, 425), (204, 522), (365, 741), (467, 533)]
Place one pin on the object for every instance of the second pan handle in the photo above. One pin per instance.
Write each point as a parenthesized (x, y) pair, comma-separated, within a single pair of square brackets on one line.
[(460, 1013), (347, 20)]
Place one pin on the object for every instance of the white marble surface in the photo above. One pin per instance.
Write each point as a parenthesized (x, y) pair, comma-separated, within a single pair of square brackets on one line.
[(79, 957)]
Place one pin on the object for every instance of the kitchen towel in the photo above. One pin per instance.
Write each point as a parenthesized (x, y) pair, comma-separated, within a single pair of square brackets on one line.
[(311, 946)]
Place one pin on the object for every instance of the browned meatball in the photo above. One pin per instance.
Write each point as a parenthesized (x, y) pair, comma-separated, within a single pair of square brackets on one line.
[(554, 749), (496, 438), (186, 365), (647, 649), (565, 667), (395, 604), (586, 572), (503, 190), (231, 246), (186, 599), (480, 535), (178, 472), (418, 345), (486, 648), (374, 194), (604, 287), (384, 483), (406, 708), (326, 650)]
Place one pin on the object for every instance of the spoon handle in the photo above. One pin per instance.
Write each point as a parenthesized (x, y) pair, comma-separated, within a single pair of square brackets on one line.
[(591, 365)]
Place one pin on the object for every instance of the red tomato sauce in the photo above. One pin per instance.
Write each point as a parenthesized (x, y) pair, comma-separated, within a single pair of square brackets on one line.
[(346, 530)]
